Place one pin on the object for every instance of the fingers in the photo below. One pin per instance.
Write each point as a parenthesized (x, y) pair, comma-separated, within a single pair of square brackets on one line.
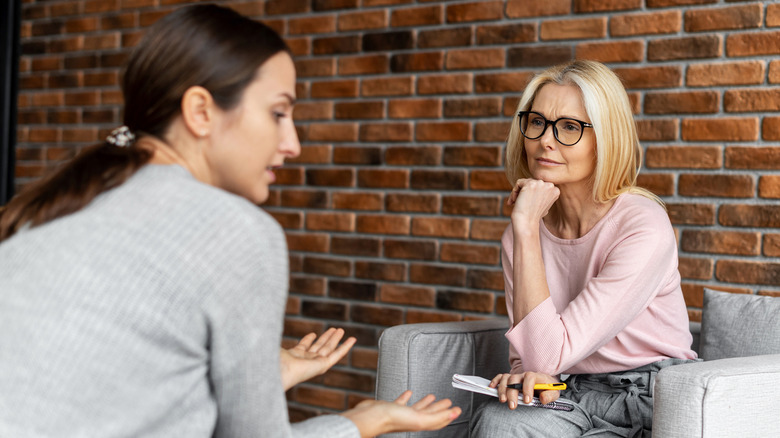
[(403, 399), (549, 396)]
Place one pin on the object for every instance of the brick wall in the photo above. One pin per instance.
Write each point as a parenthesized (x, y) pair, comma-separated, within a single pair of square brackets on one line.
[(395, 206)]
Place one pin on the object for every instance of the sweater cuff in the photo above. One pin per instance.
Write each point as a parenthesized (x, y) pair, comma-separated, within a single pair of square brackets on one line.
[(529, 334)]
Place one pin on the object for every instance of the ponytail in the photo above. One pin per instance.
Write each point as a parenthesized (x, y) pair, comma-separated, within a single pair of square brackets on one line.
[(97, 169)]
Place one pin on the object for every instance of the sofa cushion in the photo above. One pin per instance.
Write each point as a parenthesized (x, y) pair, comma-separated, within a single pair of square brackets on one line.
[(738, 325)]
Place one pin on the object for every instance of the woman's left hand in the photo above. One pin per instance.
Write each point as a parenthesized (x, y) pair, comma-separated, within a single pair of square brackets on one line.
[(308, 358)]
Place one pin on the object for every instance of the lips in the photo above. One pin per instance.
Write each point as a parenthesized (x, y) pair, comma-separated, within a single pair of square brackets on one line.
[(547, 161)]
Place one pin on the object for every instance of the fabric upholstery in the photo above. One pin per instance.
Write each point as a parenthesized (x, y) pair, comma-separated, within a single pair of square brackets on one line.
[(737, 325)]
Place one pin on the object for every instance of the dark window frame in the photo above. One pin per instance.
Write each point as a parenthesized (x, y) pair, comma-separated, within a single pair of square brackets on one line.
[(9, 86)]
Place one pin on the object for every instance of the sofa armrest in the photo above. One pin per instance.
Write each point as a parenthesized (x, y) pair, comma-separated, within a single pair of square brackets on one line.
[(718, 398), (423, 358)]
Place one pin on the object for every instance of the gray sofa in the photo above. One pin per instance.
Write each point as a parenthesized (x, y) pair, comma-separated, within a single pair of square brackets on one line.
[(734, 392)]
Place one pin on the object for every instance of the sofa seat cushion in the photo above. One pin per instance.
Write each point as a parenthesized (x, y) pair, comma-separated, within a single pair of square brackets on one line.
[(739, 325)]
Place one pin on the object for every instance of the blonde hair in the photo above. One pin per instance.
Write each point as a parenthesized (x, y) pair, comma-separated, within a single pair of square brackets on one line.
[(618, 153)]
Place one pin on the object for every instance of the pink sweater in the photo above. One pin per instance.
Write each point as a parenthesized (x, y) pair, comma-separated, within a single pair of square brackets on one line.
[(615, 299)]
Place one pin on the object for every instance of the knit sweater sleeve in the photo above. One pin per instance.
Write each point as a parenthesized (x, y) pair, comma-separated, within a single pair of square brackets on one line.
[(245, 324), (637, 265)]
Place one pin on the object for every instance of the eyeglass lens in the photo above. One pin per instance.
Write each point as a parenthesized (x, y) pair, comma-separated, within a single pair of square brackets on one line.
[(566, 131)]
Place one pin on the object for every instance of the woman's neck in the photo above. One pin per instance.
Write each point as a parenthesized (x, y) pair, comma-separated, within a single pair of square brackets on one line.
[(574, 214)]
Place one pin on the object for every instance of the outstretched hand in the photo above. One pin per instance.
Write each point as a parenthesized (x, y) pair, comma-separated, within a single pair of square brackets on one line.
[(310, 358), (374, 417)]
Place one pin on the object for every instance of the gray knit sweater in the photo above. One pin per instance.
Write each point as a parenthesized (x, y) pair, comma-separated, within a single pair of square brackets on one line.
[(156, 311)]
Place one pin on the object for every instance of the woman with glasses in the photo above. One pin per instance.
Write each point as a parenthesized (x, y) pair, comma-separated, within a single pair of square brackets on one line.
[(590, 266)]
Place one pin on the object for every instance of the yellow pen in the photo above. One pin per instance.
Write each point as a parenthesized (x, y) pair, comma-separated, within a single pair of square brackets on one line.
[(540, 386)]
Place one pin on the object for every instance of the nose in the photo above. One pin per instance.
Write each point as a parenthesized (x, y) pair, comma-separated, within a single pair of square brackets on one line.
[(289, 145), (548, 139)]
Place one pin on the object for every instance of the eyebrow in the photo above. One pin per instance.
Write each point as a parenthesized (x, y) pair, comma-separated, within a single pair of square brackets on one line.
[(289, 97)]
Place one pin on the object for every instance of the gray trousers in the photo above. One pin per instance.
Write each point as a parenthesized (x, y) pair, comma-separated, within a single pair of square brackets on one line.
[(605, 405)]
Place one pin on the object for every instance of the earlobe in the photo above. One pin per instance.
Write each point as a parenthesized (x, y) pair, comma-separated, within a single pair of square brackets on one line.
[(197, 110)]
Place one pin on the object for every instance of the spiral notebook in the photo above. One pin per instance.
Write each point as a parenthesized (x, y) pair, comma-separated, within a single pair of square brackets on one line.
[(480, 385)]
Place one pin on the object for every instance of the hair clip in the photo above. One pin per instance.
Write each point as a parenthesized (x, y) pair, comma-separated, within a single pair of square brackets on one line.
[(121, 136)]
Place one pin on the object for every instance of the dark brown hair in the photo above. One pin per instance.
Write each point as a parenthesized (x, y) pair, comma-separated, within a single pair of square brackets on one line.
[(206, 45)]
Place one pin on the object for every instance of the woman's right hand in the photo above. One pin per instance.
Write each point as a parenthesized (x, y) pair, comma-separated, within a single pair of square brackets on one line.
[(531, 199), (528, 379), (375, 417)]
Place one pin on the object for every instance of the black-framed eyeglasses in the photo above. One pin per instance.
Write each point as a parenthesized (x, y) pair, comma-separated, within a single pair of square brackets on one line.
[(567, 131)]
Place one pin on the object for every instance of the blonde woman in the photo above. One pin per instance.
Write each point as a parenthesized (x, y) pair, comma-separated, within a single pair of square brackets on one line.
[(590, 265)]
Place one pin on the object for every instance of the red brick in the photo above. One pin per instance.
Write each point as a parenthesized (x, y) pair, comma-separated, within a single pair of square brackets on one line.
[(342, 88), (313, 111), (318, 396), (753, 44), (721, 129), (526, 9), (491, 131), (288, 176), (419, 16), (470, 205), (445, 84), (387, 41), (437, 274), (471, 59), (383, 224), (407, 295), (288, 220), (773, 15), (380, 271), (486, 229), (475, 11), (447, 37), (468, 253), (364, 358), (377, 315), (336, 45), (457, 228), (612, 51), (472, 107), (662, 184), (393, 86), (705, 46), (333, 132), (308, 242), (539, 56), (774, 72), (691, 157), (465, 301), (331, 221), (418, 61), (573, 29), (650, 77), (349, 379), (357, 155), (721, 242), (731, 73), (305, 198), (485, 279), (385, 132), (331, 177), (645, 23), (657, 129), (359, 110), (501, 82), (410, 249), (306, 68), (414, 108), (506, 33), (358, 201), (313, 154), (413, 202), (605, 5), (311, 25), (443, 131), (749, 100), (772, 245), (324, 310), (494, 180), (696, 269), (280, 7), (383, 178), (730, 186), (438, 179), (472, 156), (744, 215), (665, 3), (352, 290), (769, 186), (728, 18), (420, 316), (413, 155), (682, 102), (750, 272), (385, 2), (738, 157), (327, 5), (326, 266), (363, 65), (362, 20)]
